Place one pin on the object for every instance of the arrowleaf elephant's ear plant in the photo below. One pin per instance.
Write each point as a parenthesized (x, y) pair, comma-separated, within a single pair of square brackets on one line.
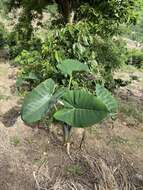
[(78, 108)]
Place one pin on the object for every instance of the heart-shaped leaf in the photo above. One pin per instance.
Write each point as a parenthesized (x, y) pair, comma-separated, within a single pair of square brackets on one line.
[(40, 101), (81, 109), (69, 66)]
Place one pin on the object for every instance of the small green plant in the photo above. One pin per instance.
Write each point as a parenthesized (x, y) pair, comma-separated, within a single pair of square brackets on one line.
[(4, 97), (15, 140), (132, 110), (72, 107), (29, 140), (135, 57), (118, 140), (74, 170)]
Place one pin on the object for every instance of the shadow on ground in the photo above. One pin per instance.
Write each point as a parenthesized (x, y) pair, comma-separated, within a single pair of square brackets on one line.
[(10, 117)]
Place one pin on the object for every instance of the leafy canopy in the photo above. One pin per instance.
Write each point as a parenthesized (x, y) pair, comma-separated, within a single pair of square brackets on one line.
[(109, 11)]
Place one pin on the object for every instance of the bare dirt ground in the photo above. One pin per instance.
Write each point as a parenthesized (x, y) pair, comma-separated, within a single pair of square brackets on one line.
[(34, 159)]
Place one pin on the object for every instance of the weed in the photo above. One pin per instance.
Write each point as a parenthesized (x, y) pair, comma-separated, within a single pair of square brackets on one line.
[(29, 140), (15, 141), (74, 170), (40, 161), (129, 68), (37, 161), (96, 132), (117, 140), (132, 110), (3, 97)]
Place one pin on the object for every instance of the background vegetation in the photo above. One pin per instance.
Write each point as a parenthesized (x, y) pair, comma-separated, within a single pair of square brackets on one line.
[(65, 52), (88, 31)]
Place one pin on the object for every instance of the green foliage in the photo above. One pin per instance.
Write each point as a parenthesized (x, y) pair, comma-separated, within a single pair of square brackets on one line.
[(74, 108), (103, 55), (105, 15), (88, 39), (131, 111), (32, 62), (134, 32), (16, 46), (2, 35), (91, 18), (74, 169), (30, 11), (79, 107), (33, 68), (40, 101), (135, 57), (105, 96), (2, 7), (118, 140), (68, 66), (15, 140)]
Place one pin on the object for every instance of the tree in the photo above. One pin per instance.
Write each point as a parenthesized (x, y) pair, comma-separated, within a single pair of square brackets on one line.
[(88, 38), (119, 11)]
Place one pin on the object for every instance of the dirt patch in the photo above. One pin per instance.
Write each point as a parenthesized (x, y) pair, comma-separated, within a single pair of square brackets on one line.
[(88, 170), (14, 175)]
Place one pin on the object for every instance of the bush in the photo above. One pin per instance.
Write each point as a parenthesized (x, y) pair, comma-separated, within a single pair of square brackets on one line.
[(135, 57), (103, 56), (34, 68), (2, 36), (32, 62), (16, 46)]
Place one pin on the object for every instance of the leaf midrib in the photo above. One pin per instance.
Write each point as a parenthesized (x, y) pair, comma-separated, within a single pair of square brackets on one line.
[(41, 105), (74, 108), (48, 95)]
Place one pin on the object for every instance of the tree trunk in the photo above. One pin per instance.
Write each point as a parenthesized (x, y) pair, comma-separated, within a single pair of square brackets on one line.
[(67, 10), (71, 17)]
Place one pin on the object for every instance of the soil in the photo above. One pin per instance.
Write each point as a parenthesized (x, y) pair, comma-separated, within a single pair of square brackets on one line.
[(34, 159)]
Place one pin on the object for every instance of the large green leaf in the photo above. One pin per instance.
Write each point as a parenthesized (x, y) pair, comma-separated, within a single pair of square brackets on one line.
[(81, 109), (68, 66), (40, 101), (106, 97)]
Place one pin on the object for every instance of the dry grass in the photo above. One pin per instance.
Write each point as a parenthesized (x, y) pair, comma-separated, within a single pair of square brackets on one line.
[(99, 172)]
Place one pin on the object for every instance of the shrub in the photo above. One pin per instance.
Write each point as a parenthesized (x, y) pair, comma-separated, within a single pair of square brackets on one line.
[(76, 41), (103, 55), (34, 68), (135, 57), (2, 36), (16, 46)]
